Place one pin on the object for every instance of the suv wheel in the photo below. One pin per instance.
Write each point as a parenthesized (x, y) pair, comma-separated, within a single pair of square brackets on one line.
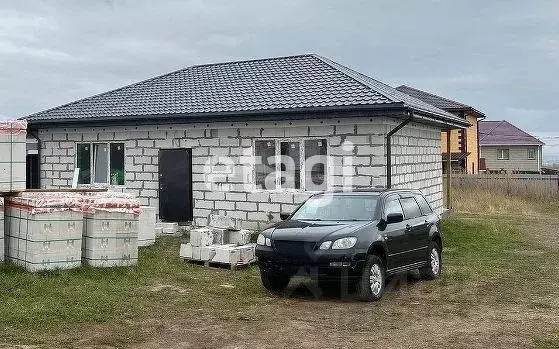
[(274, 281), (373, 280), (435, 262)]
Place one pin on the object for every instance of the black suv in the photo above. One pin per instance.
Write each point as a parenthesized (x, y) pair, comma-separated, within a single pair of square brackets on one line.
[(361, 236)]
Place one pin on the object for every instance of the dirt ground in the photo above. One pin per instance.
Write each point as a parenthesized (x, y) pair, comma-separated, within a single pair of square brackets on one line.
[(409, 318)]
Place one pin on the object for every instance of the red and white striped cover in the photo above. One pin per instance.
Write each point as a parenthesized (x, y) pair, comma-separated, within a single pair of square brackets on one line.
[(14, 127), (42, 202)]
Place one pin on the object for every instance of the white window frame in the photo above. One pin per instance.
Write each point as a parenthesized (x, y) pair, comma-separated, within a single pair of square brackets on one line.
[(303, 174), (500, 152), (535, 150), (92, 163)]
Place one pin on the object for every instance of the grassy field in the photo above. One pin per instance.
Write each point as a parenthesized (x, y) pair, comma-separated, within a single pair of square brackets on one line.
[(499, 288)]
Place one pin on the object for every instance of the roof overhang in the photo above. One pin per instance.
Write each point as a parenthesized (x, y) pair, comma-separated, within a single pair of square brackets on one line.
[(512, 145), (396, 110)]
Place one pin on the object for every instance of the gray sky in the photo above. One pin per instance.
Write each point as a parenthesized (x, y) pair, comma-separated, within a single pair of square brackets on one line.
[(502, 57)]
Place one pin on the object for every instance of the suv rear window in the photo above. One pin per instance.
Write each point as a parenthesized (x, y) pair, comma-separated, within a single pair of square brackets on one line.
[(411, 209), (425, 208)]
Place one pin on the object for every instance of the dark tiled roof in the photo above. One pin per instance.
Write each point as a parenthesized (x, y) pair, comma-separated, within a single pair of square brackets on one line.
[(493, 133), (437, 101), (274, 84)]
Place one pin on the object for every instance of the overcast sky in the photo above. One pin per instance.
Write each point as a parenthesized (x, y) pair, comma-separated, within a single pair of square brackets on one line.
[(501, 57)]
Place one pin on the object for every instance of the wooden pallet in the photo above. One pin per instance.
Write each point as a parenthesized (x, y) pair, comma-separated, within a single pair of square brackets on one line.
[(219, 265)]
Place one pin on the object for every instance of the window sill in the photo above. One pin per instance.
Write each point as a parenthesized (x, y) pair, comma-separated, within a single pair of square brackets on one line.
[(101, 186)]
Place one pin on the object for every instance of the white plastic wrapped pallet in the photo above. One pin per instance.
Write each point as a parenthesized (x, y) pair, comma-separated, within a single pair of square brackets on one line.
[(146, 232), (12, 155), (110, 234), (43, 232)]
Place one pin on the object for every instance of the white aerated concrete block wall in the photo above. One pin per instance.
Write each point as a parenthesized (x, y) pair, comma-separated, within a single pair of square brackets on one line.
[(356, 146)]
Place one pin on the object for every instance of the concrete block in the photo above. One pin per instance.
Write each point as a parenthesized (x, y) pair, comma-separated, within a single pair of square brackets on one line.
[(227, 254), (185, 251), (201, 237), (222, 221), (158, 231), (146, 225), (247, 253), (220, 236), (239, 237), (168, 228), (196, 253), (207, 253)]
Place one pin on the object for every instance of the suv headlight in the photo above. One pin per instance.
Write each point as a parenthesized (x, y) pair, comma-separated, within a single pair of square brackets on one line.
[(264, 241), (344, 243)]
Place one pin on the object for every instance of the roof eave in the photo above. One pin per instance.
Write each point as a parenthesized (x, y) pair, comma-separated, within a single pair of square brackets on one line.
[(392, 109), (511, 144)]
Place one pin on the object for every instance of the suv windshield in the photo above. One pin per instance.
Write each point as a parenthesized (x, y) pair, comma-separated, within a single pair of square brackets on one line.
[(327, 207)]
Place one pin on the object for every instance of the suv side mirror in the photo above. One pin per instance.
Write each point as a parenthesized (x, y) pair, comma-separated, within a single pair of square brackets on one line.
[(394, 218), (284, 216)]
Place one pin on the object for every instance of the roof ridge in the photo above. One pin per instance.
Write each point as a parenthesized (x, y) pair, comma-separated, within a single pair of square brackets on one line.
[(350, 73), (252, 60), (386, 90), (519, 129), (163, 75), (493, 129), (434, 95)]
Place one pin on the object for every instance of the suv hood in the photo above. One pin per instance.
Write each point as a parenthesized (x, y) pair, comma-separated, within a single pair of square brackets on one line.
[(313, 231)]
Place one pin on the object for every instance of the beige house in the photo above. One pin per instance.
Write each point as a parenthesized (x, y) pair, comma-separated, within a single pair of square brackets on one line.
[(464, 147), (506, 148)]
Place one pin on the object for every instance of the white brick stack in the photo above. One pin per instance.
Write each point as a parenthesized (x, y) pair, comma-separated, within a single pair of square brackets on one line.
[(12, 155), (110, 234), (146, 226), (43, 232)]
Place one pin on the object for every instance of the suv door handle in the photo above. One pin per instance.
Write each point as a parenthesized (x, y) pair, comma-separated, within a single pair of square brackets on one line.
[(408, 227)]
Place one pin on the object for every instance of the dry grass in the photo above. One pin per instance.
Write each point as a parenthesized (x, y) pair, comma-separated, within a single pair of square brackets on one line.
[(480, 201), (536, 187)]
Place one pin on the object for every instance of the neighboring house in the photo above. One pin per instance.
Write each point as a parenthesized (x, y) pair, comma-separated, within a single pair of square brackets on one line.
[(464, 147), (506, 148), (244, 139)]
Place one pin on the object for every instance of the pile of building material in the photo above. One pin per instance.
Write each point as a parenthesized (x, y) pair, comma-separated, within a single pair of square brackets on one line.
[(110, 234), (13, 153), (223, 246), (166, 228), (146, 226), (43, 232)]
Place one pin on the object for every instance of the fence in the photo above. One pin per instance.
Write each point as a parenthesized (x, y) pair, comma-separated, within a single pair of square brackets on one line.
[(525, 185)]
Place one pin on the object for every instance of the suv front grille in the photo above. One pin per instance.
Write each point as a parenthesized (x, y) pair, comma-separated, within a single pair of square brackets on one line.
[(297, 249)]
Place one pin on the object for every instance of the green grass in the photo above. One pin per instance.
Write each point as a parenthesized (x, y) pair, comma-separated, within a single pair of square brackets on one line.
[(487, 261), (161, 285), (499, 262)]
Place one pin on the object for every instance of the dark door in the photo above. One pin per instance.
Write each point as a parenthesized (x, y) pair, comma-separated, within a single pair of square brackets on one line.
[(175, 185), (32, 171), (395, 235), (417, 230)]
